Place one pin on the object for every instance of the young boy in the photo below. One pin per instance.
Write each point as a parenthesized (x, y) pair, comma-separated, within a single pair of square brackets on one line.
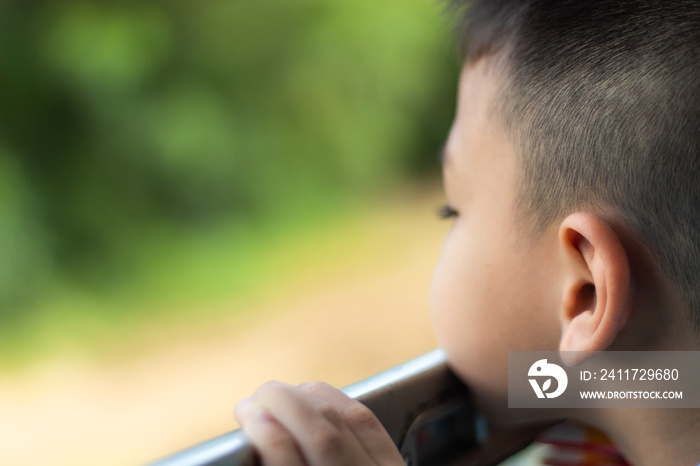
[(572, 172)]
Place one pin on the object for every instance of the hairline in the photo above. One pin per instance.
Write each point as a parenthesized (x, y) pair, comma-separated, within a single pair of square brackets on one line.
[(529, 217)]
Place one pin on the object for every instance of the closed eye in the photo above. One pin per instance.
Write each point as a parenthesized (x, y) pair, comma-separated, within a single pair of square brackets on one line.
[(446, 212)]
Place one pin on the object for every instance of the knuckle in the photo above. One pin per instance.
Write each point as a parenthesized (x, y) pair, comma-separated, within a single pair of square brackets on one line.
[(360, 416), (331, 414), (316, 387)]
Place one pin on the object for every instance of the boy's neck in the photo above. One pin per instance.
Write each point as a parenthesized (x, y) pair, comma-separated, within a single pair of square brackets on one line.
[(649, 437)]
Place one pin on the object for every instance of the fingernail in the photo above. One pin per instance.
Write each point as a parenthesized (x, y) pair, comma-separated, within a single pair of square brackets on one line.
[(244, 402), (264, 416)]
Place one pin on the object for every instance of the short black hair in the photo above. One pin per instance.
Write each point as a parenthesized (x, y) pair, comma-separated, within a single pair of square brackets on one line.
[(602, 102)]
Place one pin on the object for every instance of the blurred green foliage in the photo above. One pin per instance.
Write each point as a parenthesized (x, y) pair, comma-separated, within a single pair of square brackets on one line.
[(120, 121)]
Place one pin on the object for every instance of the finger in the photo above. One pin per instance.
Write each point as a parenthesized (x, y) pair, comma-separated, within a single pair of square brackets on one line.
[(361, 421), (272, 440), (316, 425)]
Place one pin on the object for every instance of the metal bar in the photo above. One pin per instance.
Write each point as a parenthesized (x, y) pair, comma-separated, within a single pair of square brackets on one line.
[(413, 400)]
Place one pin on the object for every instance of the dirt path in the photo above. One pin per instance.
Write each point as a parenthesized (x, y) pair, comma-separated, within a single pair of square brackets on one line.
[(346, 326)]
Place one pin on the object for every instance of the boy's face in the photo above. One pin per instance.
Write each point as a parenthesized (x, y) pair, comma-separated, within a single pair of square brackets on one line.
[(489, 291)]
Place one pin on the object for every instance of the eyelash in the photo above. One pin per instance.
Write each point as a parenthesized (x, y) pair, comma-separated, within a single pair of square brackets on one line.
[(446, 212)]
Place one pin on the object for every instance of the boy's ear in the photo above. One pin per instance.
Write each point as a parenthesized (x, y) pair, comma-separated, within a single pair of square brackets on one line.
[(596, 298)]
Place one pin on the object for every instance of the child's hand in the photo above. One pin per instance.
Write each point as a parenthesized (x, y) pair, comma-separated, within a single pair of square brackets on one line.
[(316, 425)]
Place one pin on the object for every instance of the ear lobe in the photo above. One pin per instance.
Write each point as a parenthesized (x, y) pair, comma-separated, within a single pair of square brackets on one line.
[(595, 303)]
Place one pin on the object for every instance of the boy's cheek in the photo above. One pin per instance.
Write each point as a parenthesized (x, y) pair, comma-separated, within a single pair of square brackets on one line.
[(464, 321), (476, 310), (466, 294)]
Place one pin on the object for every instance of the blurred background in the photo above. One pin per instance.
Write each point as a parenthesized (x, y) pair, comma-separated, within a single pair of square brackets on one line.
[(198, 197)]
